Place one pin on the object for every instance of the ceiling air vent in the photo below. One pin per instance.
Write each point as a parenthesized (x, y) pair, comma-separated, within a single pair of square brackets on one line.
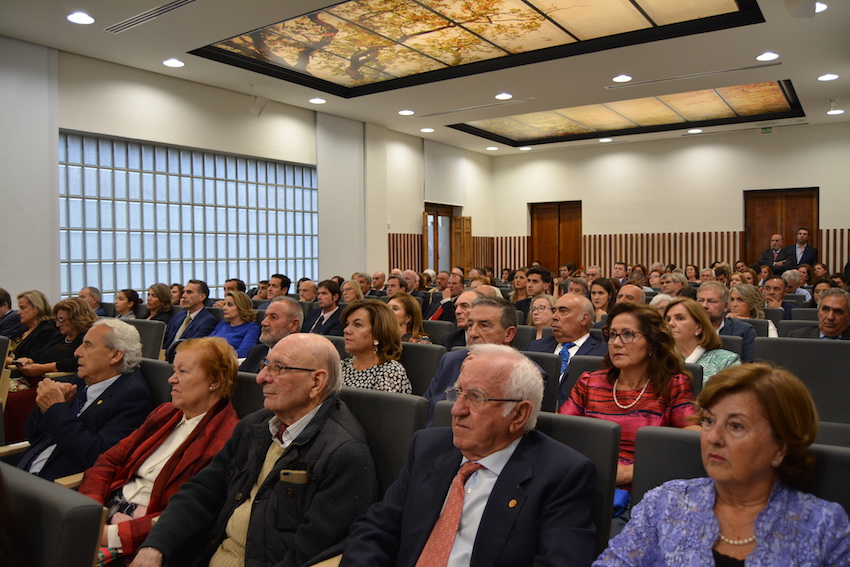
[(145, 17)]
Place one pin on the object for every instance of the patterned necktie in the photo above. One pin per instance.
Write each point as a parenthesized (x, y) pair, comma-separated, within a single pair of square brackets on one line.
[(439, 545), (565, 356), (47, 440), (317, 325), (182, 328)]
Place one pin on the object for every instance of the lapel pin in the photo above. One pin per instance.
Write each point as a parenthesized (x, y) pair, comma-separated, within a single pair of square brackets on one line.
[(512, 504), (99, 402)]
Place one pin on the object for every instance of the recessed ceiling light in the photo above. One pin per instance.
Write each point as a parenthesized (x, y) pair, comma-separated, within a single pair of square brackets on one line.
[(820, 7), (525, 148), (426, 130), (491, 148), (695, 131), (80, 18), (317, 100), (622, 79), (504, 96), (767, 56), (606, 140), (406, 112), (176, 63), (828, 77), (832, 110)]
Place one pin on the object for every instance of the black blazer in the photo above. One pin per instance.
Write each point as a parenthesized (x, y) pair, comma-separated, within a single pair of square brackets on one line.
[(766, 259), (254, 358), (592, 347), (331, 326), (813, 332)]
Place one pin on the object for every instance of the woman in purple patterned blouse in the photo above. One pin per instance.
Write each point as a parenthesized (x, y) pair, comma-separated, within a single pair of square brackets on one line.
[(757, 424)]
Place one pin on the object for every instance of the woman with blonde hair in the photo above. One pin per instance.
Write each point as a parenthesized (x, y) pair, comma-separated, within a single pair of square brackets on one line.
[(541, 313), (408, 312), (237, 326), (373, 339), (350, 291), (747, 302)]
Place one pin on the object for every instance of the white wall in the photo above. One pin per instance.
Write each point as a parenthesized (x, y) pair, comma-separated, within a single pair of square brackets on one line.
[(688, 184), (29, 205)]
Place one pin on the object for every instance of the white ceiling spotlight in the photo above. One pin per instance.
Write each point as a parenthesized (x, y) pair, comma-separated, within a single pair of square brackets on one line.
[(525, 148), (504, 96), (173, 63), (833, 111), (80, 18), (491, 148), (406, 112), (767, 56), (426, 130), (317, 100), (606, 140), (695, 131), (622, 78), (828, 77)]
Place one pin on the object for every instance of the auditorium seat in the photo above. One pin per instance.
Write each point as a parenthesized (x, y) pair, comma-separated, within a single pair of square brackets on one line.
[(151, 333), (339, 343), (733, 343), (436, 330), (831, 433), (551, 364), (420, 361), (156, 374), (761, 326), (804, 314), (524, 335), (247, 395), (775, 314), (785, 327)]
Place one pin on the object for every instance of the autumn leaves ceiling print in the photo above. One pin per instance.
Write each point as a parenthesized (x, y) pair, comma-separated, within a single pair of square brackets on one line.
[(364, 46)]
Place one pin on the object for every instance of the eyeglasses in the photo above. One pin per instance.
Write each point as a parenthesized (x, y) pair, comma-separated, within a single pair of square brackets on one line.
[(60, 320), (542, 308), (474, 397), (275, 369), (625, 336)]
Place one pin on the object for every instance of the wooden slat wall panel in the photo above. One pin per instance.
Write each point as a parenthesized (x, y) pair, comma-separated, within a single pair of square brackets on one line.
[(834, 248), (700, 248), (509, 252), (405, 251), (482, 251)]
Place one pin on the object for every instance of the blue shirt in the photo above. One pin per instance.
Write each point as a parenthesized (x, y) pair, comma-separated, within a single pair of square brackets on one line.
[(241, 337)]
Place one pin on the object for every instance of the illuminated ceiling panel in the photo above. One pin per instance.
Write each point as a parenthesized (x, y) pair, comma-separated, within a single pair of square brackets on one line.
[(726, 105), (365, 46)]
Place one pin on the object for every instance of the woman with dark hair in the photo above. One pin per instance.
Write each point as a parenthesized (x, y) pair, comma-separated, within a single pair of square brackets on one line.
[(373, 339), (696, 339), (136, 477), (408, 312), (765, 272), (603, 295), (692, 273), (820, 270), (818, 288), (519, 283), (159, 303), (125, 303), (176, 293), (757, 424), (644, 381), (238, 326)]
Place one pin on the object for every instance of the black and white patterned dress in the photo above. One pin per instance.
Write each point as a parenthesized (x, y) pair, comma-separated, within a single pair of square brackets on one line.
[(389, 376)]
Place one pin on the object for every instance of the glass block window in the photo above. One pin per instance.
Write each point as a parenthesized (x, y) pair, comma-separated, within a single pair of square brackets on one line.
[(133, 213)]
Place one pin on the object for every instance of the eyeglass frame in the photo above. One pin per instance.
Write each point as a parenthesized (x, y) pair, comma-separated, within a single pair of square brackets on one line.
[(477, 402), (542, 308), (265, 365), (613, 336)]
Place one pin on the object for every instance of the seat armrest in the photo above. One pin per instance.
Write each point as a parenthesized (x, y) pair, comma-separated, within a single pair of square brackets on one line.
[(54, 375), (332, 562), (14, 449), (70, 481)]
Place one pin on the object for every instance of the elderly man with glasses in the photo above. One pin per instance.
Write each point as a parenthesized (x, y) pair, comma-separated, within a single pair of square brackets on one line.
[(288, 483), (490, 490)]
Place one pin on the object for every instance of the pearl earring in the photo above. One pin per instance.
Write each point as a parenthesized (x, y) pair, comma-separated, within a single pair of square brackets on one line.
[(211, 388)]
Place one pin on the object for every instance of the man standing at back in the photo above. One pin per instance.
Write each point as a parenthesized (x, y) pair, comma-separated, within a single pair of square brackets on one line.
[(489, 492), (194, 321), (288, 483), (776, 257), (574, 316), (714, 297), (800, 252)]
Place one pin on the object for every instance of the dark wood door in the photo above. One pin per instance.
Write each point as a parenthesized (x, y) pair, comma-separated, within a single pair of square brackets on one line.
[(555, 233), (780, 211)]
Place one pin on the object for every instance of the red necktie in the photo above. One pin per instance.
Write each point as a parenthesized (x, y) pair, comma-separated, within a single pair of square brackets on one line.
[(442, 538), (437, 313)]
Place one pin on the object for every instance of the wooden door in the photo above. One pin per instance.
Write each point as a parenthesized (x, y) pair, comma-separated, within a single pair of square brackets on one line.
[(779, 211), (436, 236), (462, 243), (555, 234)]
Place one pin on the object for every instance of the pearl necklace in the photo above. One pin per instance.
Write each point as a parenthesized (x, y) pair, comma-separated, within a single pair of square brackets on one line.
[(738, 541), (637, 399)]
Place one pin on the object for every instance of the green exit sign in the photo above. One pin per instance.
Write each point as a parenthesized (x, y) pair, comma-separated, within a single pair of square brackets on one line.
[(766, 130)]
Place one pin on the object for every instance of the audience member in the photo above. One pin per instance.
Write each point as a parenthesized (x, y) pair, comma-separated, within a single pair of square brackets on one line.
[(283, 318), (350, 291), (764, 273), (692, 273), (233, 284), (806, 274), (776, 256), (833, 317), (496, 400), (279, 284), (176, 294), (194, 321), (818, 288), (364, 281), (238, 326), (578, 286), (520, 286), (820, 270), (593, 273), (136, 478), (603, 296), (714, 298), (620, 272), (707, 275), (326, 319), (158, 303), (125, 304), (262, 290), (408, 313), (373, 339), (800, 252), (444, 308), (379, 280), (574, 316), (542, 312), (258, 502), (696, 340), (774, 292), (630, 293), (492, 321), (462, 306), (93, 297), (661, 301), (308, 291), (539, 281), (10, 322), (76, 422), (412, 279), (746, 302), (396, 284), (793, 280), (38, 334)]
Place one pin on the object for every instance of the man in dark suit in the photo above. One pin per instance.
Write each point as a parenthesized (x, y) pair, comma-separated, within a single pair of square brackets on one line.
[(10, 323), (833, 317), (492, 320), (539, 282), (108, 399), (774, 290), (528, 497), (461, 307), (201, 322), (283, 317), (574, 316), (714, 297), (412, 279), (442, 306), (776, 256), (325, 319), (93, 297), (800, 252)]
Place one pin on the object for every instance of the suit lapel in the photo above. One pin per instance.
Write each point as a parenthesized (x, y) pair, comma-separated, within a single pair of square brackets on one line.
[(504, 506), (428, 496), (103, 398)]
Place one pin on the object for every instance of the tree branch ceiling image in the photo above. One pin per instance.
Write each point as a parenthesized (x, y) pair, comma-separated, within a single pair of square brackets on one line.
[(365, 46)]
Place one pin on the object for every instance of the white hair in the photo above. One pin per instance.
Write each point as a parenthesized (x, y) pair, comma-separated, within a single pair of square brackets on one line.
[(524, 381), (124, 337)]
